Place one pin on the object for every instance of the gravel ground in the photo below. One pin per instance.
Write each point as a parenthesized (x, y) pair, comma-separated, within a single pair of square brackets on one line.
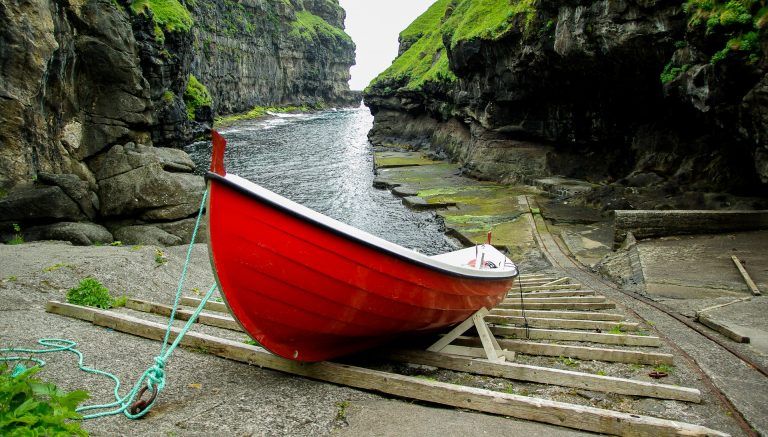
[(204, 394)]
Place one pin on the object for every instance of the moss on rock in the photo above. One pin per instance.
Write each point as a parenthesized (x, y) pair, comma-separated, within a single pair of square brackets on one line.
[(170, 15), (196, 96)]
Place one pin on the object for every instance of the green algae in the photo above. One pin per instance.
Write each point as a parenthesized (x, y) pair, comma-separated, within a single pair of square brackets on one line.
[(401, 159)]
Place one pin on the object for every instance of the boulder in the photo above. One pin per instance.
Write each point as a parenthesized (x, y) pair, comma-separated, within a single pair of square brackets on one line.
[(133, 182), (147, 235), (183, 229), (32, 204), (79, 234), (76, 188)]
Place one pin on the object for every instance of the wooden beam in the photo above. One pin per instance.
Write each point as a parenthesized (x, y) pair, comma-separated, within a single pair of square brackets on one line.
[(573, 315), (592, 337), (559, 281), (216, 320), (535, 322), (573, 299), (521, 407), (511, 305), (545, 375), (580, 352), (567, 293), (552, 287), (212, 306), (750, 283), (722, 328)]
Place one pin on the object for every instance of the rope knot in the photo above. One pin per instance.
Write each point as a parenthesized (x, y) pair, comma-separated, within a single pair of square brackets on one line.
[(156, 374)]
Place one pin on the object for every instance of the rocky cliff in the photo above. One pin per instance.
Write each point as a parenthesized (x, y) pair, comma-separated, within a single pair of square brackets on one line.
[(660, 97), (95, 95)]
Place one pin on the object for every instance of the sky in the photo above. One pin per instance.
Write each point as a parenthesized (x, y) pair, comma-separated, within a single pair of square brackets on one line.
[(374, 25)]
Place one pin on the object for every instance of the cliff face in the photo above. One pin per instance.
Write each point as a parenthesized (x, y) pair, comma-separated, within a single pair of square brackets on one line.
[(663, 96), (95, 94), (259, 53)]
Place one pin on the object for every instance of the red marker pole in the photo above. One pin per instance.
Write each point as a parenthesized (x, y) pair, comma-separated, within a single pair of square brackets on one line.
[(489, 237)]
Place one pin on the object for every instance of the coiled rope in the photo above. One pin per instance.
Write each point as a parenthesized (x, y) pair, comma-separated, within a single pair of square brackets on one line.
[(153, 379)]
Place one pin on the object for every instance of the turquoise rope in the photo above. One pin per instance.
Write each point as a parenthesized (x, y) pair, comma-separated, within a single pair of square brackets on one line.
[(153, 378)]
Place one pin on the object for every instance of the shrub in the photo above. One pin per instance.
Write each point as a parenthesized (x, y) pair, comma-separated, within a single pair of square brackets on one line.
[(30, 407), (90, 292)]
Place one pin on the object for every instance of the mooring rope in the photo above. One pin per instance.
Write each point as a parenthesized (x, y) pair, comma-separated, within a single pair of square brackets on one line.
[(152, 380)]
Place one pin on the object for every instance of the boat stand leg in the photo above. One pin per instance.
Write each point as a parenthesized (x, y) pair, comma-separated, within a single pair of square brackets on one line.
[(491, 349)]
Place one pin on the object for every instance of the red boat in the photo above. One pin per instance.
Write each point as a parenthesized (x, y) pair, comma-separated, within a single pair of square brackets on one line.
[(310, 288)]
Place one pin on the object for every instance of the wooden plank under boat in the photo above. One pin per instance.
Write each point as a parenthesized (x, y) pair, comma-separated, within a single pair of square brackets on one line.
[(310, 288)]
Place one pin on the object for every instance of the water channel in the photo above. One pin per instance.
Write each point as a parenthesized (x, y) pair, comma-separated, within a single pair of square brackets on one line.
[(324, 161)]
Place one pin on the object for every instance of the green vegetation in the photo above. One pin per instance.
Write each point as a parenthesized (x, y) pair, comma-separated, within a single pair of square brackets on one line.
[(160, 257), (616, 330), (168, 96), (664, 368), (18, 238), (169, 15), (341, 413), (262, 111), (310, 27), (31, 407), (196, 96), (670, 73), (570, 362), (453, 21), (55, 267), (741, 22), (117, 243), (90, 292)]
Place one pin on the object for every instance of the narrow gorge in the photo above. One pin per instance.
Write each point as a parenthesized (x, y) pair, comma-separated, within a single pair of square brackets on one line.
[(97, 97), (656, 104)]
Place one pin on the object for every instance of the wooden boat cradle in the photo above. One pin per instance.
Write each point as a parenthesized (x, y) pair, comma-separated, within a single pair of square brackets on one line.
[(555, 320)]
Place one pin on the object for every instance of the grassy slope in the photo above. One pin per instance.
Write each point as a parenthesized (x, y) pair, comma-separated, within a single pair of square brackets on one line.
[(449, 20), (309, 27)]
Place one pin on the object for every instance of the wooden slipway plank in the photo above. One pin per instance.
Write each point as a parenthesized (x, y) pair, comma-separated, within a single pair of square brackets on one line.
[(213, 306), (522, 407), (572, 315), (593, 337), (514, 304), (545, 375), (219, 321), (547, 323), (580, 352)]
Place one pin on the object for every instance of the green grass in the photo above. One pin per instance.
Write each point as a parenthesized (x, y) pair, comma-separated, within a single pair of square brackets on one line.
[(196, 96), (170, 15), (616, 330), (92, 293), (309, 27), (31, 407), (664, 368), (426, 60)]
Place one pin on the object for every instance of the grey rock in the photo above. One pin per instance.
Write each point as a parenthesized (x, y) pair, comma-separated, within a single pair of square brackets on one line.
[(146, 235), (77, 189), (133, 183), (32, 204), (151, 192), (184, 228), (79, 234)]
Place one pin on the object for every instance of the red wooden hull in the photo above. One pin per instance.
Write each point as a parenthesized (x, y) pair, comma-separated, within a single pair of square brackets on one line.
[(308, 292)]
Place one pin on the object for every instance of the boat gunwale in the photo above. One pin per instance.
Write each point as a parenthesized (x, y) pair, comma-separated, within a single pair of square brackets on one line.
[(357, 235)]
